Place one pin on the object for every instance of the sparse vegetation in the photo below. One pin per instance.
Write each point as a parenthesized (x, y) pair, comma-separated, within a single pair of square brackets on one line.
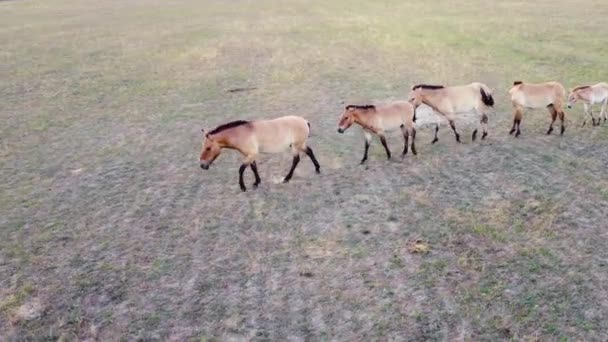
[(109, 230)]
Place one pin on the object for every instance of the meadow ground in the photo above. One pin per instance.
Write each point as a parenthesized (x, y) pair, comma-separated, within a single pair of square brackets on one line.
[(110, 230)]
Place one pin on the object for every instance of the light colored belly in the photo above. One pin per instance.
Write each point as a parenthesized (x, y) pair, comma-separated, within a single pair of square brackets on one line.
[(274, 144)]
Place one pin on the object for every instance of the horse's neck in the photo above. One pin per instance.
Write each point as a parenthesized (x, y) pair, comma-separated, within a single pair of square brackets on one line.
[(227, 139), (365, 119)]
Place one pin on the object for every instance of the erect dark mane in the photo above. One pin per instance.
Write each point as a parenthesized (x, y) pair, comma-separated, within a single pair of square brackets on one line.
[(581, 87), (228, 125), (427, 86), (517, 83), (360, 107)]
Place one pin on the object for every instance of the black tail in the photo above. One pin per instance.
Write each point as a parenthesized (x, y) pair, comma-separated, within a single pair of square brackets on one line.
[(487, 99), (308, 123)]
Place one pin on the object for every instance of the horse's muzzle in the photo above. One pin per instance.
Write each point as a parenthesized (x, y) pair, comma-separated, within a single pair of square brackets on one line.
[(205, 166), (569, 106), (340, 130)]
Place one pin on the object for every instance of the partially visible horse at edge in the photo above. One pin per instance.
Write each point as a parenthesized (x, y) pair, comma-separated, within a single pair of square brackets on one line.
[(590, 95)]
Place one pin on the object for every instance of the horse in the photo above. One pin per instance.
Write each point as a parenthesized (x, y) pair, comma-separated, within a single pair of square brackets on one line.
[(590, 95), (454, 100), (251, 138), (533, 96), (378, 119)]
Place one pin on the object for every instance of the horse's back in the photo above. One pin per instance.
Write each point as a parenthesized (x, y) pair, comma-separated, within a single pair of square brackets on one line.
[(396, 113), (535, 95)]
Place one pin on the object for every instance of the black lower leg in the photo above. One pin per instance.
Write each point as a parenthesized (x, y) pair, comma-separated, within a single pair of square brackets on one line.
[(388, 152), (414, 142), (454, 129), (311, 155), (550, 127), (484, 124), (365, 152), (436, 131), (296, 160), (518, 128), (241, 182), (258, 180), (405, 142), (514, 126), (474, 135)]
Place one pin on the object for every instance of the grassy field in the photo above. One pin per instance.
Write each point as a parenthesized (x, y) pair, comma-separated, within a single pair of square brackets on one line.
[(110, 230)]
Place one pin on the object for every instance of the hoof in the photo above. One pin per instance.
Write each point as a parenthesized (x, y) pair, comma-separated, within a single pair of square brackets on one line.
[(318, 171), (286, 180), (485, 134), (434, 141), (517, 134)]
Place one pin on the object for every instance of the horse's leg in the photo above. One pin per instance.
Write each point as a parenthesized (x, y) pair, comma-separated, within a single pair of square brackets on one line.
[(383, 141), (436, 131), (484, 125), (553, 112), (368, 139), (241, 171), (479, 111), (603, 110), (254, 168), (296, 160), (453, 125), (518, 113), (406, 135), (590, 108), (248, 161), (562, 118), (311, 155), (414, 141), (585, 109)]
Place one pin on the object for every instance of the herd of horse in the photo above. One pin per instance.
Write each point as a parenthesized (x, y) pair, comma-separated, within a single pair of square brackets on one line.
[(251, 138)]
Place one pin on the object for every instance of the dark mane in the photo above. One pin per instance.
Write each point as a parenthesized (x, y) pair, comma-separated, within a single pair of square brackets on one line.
[(228, 125), (427, 86), (581, 87), (360, 107), (517, 83)]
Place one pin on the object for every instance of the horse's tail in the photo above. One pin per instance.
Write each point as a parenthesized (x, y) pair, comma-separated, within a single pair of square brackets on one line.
[(308, 123), (486, 96)]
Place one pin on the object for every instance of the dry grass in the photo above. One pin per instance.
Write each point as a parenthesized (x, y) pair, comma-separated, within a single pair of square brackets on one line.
[(109, 229)]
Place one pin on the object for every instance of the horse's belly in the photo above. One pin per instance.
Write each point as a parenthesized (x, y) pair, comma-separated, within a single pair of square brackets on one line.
[(275, 145), (391, 124)]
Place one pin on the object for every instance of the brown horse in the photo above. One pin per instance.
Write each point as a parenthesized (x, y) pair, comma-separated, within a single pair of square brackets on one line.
[(262, 136), (380, 119), (454, 100), (590, 95), (533, 96)]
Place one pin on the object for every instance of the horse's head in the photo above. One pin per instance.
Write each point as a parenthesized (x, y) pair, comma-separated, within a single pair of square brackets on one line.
[(572, 98), (346, 119), (415, 97), (211, 150)]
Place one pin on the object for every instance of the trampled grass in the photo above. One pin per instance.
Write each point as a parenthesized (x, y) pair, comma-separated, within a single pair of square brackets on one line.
[(110, 230)]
